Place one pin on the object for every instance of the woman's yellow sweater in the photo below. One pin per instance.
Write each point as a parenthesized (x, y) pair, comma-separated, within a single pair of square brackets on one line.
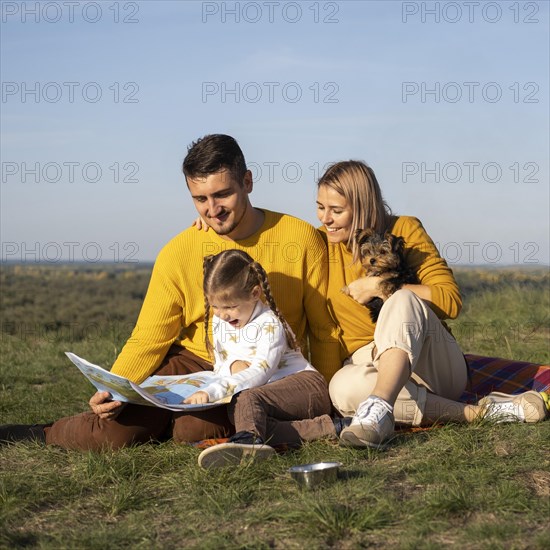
[(353, 319)]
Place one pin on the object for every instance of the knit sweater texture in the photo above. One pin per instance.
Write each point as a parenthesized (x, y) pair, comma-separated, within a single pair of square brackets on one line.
[(353, 319), (295, 258)]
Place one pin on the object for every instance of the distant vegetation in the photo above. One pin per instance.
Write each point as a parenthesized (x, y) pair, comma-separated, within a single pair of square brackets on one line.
[(506, 313), (504, 309), (71, 302)]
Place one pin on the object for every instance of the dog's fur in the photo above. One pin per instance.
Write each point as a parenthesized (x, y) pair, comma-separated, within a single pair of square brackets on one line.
[(382, 256)]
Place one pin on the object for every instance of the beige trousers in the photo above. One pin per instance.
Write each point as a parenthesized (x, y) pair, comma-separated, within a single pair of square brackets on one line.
[(437, 364)]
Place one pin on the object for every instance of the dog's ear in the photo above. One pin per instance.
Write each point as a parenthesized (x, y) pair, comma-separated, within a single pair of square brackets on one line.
[(397, 243), (362, 235)]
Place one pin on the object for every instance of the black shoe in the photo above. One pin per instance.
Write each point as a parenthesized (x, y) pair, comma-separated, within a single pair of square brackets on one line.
[(246, 438), (10, 433), (340, 423)]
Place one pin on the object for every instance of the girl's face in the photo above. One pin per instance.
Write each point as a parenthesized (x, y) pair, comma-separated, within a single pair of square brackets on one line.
[(335, 214), (234, 310)]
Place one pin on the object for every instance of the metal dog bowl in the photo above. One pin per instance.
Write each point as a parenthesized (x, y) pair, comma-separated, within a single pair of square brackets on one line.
[(309, 476)]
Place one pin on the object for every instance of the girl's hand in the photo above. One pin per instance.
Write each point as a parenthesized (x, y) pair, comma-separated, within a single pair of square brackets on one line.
[(363, 290), (238, 366), (200, 224), (197, 398)]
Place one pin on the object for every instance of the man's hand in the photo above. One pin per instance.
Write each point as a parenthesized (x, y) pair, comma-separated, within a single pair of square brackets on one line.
[(104, 408), (197, 398), (238, 366), (363, 290)]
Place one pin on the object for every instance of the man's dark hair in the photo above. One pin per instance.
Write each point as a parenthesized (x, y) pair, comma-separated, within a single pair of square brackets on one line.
[(213, 153)]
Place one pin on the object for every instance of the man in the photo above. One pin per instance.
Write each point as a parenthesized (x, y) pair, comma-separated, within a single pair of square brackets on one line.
[(169, 338)]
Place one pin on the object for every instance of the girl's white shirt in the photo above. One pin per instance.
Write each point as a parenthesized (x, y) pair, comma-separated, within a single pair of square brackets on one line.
[(262, 343)]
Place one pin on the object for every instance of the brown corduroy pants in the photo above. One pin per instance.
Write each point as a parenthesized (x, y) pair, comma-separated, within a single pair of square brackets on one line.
[(291, 410), (288, 411)]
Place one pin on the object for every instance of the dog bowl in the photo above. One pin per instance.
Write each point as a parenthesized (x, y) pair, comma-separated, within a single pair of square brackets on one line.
[(309, 476)]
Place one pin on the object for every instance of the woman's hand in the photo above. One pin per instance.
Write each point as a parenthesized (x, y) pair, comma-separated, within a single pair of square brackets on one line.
[(101, 404), (200, 224), (363, 290), (197, 398), (238, 366)]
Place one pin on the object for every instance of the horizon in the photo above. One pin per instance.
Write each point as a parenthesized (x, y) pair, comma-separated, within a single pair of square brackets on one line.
[(150, 264)]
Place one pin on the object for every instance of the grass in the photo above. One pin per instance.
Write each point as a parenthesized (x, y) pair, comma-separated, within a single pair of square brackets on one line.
[(469, 486)]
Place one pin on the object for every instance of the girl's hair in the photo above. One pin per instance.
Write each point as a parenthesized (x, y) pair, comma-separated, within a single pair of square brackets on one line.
[(235, 273), (356, 182)]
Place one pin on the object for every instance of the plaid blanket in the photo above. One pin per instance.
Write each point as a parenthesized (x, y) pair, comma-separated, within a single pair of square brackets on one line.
[(489, 374)]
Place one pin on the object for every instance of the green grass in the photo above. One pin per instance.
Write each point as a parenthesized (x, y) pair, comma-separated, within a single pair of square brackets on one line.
[(469, 486), (506, 313)]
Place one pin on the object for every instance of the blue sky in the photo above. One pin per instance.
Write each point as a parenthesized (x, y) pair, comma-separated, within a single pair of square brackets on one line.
[(447, 101)]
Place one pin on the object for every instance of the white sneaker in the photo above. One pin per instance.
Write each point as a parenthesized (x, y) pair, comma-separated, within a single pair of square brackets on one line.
[(525, 407), (233, 454), (371, 426)]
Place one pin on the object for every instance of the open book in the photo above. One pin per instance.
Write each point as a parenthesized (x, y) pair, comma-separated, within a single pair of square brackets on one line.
[(166, 392)]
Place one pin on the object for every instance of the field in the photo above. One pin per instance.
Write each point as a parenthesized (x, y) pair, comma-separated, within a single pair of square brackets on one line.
[(475, 486)]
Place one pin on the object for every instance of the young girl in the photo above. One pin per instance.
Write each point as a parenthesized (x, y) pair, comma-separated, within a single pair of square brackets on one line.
[(256, 353)]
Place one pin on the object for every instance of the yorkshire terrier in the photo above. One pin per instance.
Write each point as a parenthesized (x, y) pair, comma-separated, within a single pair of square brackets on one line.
[(382, 256)]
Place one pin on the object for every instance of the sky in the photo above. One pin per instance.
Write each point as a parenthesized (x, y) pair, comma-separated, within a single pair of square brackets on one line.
[(446, 101)]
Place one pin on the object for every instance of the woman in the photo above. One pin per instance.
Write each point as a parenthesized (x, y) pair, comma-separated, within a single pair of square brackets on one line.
[(406, 368)]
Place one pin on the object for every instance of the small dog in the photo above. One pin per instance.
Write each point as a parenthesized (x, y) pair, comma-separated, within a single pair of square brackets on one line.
[(382, 256)]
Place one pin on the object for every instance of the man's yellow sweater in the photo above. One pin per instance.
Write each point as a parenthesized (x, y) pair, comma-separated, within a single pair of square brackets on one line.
[(295, 258), (352, 318)]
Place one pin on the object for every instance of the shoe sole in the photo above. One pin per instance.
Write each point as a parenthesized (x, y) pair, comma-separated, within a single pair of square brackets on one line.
[(350, 439), (532, 402), (233, 454)]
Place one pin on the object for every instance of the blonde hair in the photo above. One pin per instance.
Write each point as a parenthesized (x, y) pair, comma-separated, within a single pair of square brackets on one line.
[(234, 272), (357, 183)]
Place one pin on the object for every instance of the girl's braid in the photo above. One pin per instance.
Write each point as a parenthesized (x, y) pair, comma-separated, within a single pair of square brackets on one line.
[(207, 260), (263, 280)]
